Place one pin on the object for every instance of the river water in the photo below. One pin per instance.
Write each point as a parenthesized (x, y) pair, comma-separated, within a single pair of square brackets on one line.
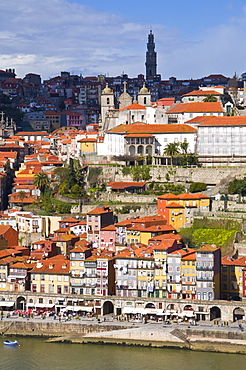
[(35, 354)]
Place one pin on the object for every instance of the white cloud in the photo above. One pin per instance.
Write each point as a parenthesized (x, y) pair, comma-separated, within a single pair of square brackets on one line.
[(55, 35)]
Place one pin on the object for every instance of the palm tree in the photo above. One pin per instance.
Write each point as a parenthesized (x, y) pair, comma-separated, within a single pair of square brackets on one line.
[(210, 98), (172, 150), (41, 181), (184, 147)]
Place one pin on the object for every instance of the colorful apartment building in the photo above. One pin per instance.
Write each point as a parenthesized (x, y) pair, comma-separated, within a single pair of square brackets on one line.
[(208, 272), (188, 272), (51, 276), (174, 273), (232, 278), (144, 228), (97, 219), (77, 258), (108, 237), (168, 206)]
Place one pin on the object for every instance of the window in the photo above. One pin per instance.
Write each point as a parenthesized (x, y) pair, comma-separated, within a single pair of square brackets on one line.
[(34, 288), (42, 288), (51, 288), (42, 277)]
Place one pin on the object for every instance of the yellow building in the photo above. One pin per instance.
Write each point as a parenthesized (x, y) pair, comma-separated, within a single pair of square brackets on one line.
[(188, 273), (51, 276), (87, 145), (144, 228), (160, 270), (77, 257), (65, 242), (232, 277), (175, 215), (190, 202)]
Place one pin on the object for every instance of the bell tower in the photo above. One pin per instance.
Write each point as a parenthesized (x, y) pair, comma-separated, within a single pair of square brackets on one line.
[(151, 55)]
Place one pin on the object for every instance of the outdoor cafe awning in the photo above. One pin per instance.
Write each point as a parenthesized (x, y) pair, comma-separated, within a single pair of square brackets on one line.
[(6, 304), (43, 305), (79, 308)]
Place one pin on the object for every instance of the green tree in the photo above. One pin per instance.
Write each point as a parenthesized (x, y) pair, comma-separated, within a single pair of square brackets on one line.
[(71, 174), (238, 187), (41, 181), (61, 174), (77, 190), (197, 187), (210, 98), (22, 196), (64, 188), (172, 150), (184, 147)]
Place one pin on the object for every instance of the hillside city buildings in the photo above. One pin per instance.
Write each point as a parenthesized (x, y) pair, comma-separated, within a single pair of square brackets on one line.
[(119, 120)]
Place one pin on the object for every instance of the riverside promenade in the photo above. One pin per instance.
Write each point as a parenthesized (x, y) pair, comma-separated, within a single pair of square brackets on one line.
[(205, 336)]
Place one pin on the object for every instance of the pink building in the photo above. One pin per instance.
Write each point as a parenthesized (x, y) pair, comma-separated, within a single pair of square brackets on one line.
[(108, 237), (74, 119)]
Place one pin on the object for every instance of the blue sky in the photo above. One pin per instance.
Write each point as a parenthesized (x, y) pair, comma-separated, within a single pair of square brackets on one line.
[(193, 38)]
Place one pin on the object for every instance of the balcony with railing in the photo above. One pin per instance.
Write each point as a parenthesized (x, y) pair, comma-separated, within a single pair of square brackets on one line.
[(209, 268), (209, 278)]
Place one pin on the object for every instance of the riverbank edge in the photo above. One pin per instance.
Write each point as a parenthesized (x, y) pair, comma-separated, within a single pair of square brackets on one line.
[(86, 333), (200, 346)]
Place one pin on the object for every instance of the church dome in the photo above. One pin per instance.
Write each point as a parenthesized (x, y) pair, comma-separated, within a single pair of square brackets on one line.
[(107, 90), (144, 90)]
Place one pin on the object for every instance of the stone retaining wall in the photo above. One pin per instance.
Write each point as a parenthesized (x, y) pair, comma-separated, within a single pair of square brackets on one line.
[(208, 175), (52, 329)]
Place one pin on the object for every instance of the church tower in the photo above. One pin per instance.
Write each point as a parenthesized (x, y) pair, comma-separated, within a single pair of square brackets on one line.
[(107, 102), (150, 63)]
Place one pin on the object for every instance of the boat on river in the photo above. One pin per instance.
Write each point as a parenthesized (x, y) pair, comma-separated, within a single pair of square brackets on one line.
[(11, 343)]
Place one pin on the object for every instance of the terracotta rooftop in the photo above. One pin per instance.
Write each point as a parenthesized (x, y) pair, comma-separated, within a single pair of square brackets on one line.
[(122, 185), (144, 128), (202, 92), (204, 107), (100, 210)]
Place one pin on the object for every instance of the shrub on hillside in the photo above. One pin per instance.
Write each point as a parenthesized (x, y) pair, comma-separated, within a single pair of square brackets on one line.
[(197, 187)]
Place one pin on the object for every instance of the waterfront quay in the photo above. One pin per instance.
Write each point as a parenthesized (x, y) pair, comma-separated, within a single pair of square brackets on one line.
[(168, 309), (204, 336)]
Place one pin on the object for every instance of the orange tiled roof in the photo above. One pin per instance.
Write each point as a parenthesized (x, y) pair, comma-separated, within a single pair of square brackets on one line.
[(139, 135), (201, 93), (174, 205), (189, 257), (144, 128), (69, 219), (99, 210), (109, 228), (122, 185), (207, 248), (223, 121), (168, 196), (133, 107), (204, 107)]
